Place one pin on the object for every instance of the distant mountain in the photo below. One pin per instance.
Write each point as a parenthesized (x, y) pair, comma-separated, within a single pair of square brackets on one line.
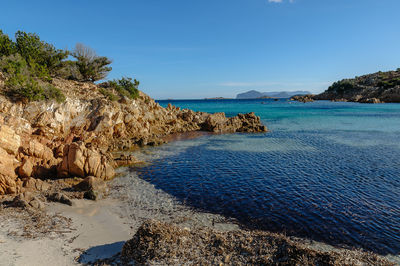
[(273, 94)]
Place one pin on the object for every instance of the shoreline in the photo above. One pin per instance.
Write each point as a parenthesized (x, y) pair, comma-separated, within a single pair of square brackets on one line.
[(97, 230)]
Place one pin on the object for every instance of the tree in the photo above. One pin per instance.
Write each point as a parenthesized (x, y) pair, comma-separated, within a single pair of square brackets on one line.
[(91, 66)]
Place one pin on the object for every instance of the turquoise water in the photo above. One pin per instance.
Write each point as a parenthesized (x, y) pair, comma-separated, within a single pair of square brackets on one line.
[(326, 171)]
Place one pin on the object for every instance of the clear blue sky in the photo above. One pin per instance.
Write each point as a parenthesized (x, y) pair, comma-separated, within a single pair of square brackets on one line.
[(206, 48)]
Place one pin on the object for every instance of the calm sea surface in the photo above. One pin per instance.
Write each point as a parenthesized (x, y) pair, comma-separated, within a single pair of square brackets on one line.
[(326, 171)]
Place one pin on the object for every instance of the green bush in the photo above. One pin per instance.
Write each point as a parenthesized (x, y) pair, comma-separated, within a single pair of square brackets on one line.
[(111, 96), (340, 87), (7, 46), (21, 84), (126, 87), (40, 56), (90, 66), (24, 87)]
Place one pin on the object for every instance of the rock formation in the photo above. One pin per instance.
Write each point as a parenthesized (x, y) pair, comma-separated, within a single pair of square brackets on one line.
[(76, 138), (303, 98)]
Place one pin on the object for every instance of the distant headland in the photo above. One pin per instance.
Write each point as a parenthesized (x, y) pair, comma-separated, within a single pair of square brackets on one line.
[(379, 87), (253, 94)]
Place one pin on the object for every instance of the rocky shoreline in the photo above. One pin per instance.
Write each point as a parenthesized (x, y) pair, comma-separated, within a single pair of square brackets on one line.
[(54, 157), (48, 140), (380, 87)]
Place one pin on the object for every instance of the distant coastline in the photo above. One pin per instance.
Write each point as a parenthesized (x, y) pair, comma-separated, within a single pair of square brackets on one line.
[(379, 87)]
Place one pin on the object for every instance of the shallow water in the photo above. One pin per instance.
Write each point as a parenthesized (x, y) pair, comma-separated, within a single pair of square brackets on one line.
[(325, 171)]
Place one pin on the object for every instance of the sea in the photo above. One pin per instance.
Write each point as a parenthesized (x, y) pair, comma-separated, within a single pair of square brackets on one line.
[(325, 171)]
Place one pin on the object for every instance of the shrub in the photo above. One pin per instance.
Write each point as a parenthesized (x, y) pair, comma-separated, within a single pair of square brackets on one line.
[(40, 56), (342, 86), (111, 96), (21, 84), (90, 66), (7, 46), (126, 87), (13, 65), (24, 87)]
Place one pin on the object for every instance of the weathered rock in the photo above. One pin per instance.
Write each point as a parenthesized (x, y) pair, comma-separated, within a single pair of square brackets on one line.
[(8, 184), (25, 170), (92, 183), (303, 98), (81, 162), (9, 141), (32, 184), (125, 159), (37, 204), (26, 199), (61, 198), (91, 195), (219, 123)]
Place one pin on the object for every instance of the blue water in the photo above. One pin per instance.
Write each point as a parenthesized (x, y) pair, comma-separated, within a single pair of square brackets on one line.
[(326, 171)]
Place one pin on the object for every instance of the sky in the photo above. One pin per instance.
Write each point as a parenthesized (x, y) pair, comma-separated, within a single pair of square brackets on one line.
[(185, 49)]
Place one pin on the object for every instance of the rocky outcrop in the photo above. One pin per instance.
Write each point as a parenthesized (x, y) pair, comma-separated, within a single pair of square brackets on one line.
[(303, 98), (75, 138), (157, 243), (378, 87), (80, 161), (219, 123)]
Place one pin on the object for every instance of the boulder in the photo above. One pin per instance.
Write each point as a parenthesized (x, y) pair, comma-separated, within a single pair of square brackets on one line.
[(26, 199), (241, 123), (9, 140), (81, 162), (25, 170), (215, 123), (60, 197), (8, 184), (91, 183)]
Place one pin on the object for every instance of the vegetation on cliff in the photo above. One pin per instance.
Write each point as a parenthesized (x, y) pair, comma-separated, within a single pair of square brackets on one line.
[(30, 64)]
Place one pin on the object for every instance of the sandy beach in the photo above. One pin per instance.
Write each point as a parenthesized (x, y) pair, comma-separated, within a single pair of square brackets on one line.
[(89, 231), (95, 230)]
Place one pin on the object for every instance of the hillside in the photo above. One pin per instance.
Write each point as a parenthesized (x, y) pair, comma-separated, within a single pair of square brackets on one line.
[(379, 87)]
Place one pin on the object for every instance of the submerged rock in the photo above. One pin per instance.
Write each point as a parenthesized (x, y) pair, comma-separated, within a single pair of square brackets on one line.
[(157, 243)]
